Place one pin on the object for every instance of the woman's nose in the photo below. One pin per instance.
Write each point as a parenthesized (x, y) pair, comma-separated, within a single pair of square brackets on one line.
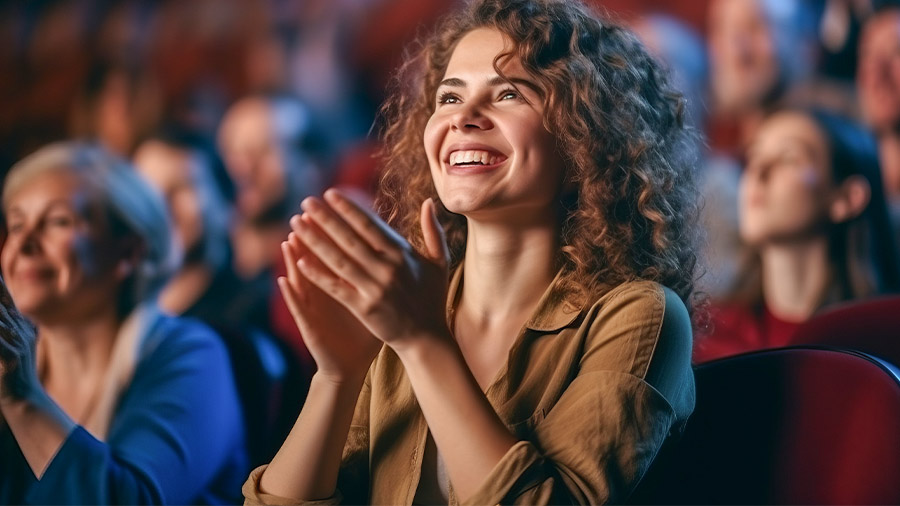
[(29, 241), (470, 116)]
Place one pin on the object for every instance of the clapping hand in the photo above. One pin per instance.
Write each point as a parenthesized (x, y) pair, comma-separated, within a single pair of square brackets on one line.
[(341, 346), (397, 293)]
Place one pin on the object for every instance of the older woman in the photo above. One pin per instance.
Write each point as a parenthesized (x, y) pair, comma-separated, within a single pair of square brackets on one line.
[(109, 401)]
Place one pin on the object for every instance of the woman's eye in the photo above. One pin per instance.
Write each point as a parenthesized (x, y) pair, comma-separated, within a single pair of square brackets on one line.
[(509, 95), (448, 98), (60, 221)]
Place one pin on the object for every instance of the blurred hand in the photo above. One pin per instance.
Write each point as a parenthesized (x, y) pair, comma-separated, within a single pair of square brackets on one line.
[(356, 258), (341, 346), (18, 376)]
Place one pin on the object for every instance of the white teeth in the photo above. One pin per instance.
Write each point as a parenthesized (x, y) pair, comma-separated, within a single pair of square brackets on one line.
[(472, 156)]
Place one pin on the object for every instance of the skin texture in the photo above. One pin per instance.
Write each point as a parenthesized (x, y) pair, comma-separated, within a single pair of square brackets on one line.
[(398, 294)]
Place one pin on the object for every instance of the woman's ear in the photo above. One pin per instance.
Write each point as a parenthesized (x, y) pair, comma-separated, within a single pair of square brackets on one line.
[(850, 199)]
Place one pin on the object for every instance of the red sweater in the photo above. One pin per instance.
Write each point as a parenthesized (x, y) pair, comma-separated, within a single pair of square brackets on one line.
[(739, 329)]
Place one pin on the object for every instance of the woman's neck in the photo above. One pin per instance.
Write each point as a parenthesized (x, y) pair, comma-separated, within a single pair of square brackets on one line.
[(76, 354), (506, 269), (795, 277)]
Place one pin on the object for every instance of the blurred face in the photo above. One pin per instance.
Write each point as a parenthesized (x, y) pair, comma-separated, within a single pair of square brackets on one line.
[(743, 60), (254, 157), (879, 71), (786, 187), (487, 147), (171, 171), (58, 262)]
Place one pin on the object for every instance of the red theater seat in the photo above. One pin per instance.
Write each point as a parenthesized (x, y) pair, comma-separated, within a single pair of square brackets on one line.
[(788, 426), (871, 326)]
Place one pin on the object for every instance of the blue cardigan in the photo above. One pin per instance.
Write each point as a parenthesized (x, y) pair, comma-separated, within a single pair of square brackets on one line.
[(177, 435)]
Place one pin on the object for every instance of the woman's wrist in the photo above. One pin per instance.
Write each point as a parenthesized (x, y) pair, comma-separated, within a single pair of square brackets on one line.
[(339, 381), (425, 349)]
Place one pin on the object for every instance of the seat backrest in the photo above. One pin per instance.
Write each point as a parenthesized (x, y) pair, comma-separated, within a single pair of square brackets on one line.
[(871, 326), (787, 426)]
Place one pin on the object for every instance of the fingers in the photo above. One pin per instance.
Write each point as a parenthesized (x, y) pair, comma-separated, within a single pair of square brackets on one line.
[(333, 257), (291, 298), (433, 234), (319, 275), (372, 229), (340, 232), (294, 279)]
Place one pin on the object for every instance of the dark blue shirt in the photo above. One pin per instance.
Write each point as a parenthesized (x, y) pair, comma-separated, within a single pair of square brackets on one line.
[(177, 435)]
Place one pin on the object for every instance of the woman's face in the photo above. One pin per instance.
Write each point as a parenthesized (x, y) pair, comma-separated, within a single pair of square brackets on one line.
[(743, 61), (58, 261), (171, 171), (489, 153), (786, 186)]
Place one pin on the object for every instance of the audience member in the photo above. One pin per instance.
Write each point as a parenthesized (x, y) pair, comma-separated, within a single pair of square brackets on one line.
[(814, 220), (878, 80), (108, 401), (262, 139), (538, 154), (180, 165)]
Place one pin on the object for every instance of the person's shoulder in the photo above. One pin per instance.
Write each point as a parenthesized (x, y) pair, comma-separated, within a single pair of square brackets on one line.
[(639, 294), (170, 337), (643, 303)]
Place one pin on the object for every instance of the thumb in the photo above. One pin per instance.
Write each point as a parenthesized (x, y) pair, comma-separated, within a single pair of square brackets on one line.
[(433, 233)]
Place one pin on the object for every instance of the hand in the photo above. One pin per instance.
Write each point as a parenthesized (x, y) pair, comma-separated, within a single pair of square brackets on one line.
[(396, 292), (341, 346), (18, 376)]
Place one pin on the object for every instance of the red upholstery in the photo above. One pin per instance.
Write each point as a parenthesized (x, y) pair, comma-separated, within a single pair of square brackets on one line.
[(788, 426), (871, 326)]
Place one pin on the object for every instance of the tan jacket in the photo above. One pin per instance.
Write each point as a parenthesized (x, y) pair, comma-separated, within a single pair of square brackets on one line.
[(592, 393)]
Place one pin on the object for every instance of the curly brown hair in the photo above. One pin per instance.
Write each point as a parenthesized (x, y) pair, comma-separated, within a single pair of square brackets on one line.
[(616, 118)]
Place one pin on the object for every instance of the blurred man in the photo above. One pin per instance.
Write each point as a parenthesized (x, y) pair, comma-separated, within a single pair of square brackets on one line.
[(263, 140), (878, 81)]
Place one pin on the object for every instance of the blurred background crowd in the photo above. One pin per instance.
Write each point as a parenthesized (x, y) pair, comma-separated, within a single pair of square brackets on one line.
[(235, 110)]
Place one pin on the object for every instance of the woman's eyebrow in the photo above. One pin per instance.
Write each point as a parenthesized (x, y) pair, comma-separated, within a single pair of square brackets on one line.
[(454, 82), (498, 81)]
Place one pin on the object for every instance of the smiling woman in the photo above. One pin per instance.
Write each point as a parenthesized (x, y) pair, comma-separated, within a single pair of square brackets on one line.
[(108, 401), (524, 338)]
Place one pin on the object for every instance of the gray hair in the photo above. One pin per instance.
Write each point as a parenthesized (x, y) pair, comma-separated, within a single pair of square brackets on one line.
[(135, 209)]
